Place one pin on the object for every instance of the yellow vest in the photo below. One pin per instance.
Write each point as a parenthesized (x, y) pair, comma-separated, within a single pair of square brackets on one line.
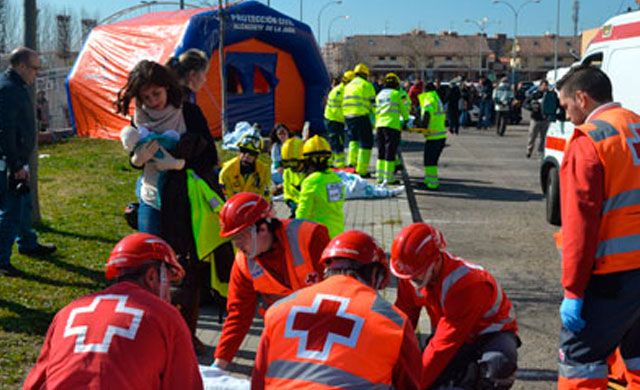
[(359, 95), (430, 102), (333, 109)]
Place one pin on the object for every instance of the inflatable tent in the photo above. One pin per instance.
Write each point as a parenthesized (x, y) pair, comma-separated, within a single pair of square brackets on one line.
[(273, 67)]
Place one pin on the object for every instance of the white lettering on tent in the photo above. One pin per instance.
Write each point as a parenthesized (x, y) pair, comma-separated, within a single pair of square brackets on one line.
[(262, 23)]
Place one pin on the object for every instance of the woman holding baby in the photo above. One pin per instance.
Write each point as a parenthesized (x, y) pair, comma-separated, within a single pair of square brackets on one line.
[(170, 141)]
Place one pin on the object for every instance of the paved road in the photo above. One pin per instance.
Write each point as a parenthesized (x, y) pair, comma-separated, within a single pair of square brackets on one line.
[(491, 210)]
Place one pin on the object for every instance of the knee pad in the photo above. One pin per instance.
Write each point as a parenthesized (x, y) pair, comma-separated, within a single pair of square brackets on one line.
[(496, 371)]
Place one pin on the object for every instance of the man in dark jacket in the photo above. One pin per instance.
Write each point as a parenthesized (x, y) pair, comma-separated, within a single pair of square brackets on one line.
[(539, 121), (17, 140)]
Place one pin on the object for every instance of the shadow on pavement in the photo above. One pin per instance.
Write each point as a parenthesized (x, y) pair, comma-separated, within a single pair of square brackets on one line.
[(463, 189), (535, 374)]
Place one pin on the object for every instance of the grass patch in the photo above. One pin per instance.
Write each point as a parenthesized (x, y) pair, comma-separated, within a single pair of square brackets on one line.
[(84, 186)]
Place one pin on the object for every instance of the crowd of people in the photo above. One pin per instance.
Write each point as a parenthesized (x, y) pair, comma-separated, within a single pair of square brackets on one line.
[(315, 284)]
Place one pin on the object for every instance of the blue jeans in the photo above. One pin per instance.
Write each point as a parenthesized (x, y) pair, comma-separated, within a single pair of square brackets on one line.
[(148, 219), (15, 220), (485, 113)]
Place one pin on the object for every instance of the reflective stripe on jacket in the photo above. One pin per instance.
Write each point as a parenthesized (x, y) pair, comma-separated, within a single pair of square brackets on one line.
[(616, 136), (359, 96), (333, 108), (390, 109), (295, 236), (336, 334), (430, 102)]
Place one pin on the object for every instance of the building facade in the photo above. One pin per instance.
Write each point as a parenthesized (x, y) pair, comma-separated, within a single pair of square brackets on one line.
[(446, 55)]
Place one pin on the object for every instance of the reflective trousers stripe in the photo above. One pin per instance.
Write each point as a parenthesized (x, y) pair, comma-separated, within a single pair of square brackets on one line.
[(618, 245), (623, 199), (319, 373), (583, 371)]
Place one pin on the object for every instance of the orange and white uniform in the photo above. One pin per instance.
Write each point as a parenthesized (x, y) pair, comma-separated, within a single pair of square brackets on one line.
[(336, 334), (464, 303), (291, 263), (600, 180)]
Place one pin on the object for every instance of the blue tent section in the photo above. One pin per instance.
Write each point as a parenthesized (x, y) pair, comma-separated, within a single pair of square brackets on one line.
[(203, 33)]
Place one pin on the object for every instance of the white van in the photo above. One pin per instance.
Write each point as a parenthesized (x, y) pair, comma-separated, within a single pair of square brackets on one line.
[(616, 50)]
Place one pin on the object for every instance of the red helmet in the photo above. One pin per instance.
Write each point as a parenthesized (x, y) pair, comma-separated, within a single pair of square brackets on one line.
[(357, 246), (138, 249), (242, 210), (414, 249)]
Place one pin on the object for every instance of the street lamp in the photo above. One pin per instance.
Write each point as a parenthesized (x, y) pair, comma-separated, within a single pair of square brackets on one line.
[(345, 17), (515, 32), (482, 26), (338, 2), (555, 45)]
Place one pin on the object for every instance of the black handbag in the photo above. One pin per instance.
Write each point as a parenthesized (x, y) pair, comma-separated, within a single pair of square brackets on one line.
[(131, 214)]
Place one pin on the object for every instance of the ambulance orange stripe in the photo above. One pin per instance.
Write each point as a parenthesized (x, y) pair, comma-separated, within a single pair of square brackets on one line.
[(555, 143)]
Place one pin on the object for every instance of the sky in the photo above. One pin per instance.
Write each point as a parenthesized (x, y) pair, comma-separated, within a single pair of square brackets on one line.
[(400, 16)]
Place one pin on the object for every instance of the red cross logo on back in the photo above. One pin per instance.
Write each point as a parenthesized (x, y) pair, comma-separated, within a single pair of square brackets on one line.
[(95, 325), (323, 324)]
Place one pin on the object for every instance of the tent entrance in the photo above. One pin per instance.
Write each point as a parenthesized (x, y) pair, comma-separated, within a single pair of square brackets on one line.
[(251, 82)]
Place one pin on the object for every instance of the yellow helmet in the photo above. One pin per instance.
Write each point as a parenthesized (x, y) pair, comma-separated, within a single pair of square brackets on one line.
[(391, 77), (292, 149), (316, 145), (348, 76), (361, 69), (250, 143)]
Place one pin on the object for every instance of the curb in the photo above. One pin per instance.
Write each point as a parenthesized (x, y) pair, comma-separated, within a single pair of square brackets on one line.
[(411, 198)]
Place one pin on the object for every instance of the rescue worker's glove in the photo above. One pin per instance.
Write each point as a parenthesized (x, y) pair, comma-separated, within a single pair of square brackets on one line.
[(570, 314)]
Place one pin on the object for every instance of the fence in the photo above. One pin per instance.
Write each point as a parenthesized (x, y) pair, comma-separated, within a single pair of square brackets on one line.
[(52, 82)]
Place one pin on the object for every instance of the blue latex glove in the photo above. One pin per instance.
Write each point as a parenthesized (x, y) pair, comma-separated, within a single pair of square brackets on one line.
[(570, 314)]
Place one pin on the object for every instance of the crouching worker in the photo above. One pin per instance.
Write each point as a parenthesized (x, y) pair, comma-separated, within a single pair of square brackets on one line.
[(474, 344), (275, 258), (340, 333), (127, 336), (245, 172), (322, 194), (293, 173)]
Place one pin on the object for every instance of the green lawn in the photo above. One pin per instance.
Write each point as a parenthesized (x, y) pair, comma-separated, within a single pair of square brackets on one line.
[(84, 187)]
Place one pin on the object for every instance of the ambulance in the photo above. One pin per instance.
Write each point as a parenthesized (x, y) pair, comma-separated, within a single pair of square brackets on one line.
[(616, 50)]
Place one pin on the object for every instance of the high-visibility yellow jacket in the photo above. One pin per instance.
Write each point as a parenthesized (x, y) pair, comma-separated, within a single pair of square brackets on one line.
[(322, 199), (430, 102), (292, 182), (333, 109), (406, 100), (390, 109), (358, 99), (233, 181)]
